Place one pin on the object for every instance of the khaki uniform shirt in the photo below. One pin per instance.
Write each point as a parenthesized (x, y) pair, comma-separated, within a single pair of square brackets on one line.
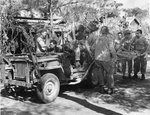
[(41, 45), (140, 44)]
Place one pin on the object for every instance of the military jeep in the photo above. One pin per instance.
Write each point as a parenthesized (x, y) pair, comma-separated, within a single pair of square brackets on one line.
[(45, 72)]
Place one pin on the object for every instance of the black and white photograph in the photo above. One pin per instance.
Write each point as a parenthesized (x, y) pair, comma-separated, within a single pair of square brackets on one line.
[(74, 57)]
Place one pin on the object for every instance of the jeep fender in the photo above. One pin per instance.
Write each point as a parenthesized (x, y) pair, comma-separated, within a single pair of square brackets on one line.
[(50, 65)]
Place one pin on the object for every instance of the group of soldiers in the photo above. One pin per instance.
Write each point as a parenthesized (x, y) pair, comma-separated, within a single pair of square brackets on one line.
[(137, 43), (106, 48), (106, 53)]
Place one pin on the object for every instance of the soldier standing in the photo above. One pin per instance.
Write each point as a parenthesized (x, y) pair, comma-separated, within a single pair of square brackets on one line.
[(126, 46), (105, 55), (140, 63), (118, 67)]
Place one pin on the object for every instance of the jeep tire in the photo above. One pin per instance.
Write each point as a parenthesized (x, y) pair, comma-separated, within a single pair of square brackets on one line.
[(48, 88)]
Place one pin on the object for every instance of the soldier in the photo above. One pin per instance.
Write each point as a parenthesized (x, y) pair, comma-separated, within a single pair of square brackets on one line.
[(41, 42), (118, 66), (126, 46), (105, 55), (118, 40), (140, 63), (53, 47)]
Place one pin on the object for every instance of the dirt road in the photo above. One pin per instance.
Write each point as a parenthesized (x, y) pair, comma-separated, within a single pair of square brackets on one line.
[(132, 97)]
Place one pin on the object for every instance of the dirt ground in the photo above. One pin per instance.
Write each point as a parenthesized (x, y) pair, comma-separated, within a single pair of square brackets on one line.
[(132, 97)]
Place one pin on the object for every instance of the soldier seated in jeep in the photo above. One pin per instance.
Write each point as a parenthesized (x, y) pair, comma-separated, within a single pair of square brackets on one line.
[(41, 42), (53, 47)]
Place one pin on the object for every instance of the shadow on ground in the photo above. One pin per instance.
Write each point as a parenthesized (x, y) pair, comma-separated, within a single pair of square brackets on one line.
[(60, 107), (131, 95), (31, 107), (88, 105)]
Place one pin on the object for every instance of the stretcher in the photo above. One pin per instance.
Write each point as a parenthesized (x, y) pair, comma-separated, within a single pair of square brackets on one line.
[(127, 55)]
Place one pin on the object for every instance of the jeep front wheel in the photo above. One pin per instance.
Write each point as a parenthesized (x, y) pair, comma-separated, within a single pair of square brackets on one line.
[(48, 88)]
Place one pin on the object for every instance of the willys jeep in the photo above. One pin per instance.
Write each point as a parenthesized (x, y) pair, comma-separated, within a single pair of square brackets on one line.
[(45, 75), (44, 72)]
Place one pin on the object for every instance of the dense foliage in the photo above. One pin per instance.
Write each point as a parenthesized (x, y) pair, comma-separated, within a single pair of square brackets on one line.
[(72, 12)]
